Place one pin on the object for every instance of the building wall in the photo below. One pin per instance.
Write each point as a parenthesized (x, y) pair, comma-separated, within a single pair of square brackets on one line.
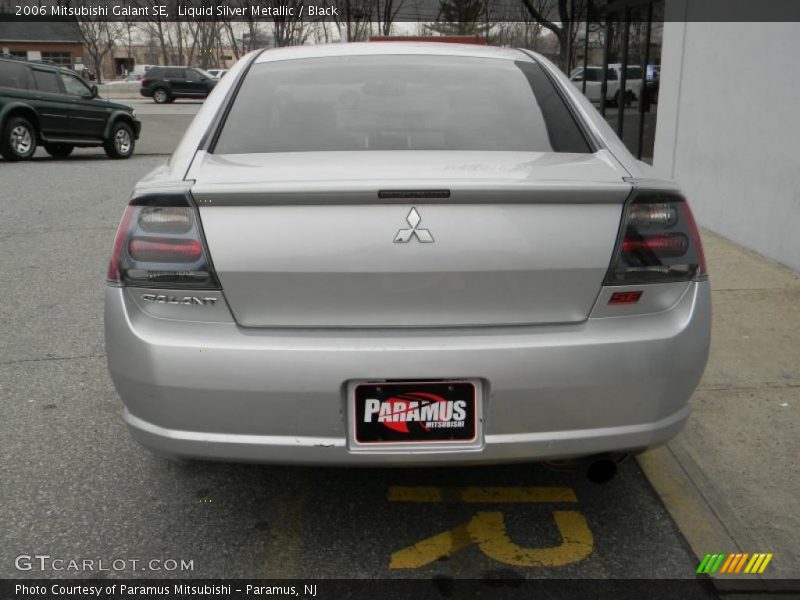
[(728, 130), (35, 49)]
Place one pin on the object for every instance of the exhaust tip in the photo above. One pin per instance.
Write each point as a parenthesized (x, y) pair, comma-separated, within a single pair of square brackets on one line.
[(601, 470)]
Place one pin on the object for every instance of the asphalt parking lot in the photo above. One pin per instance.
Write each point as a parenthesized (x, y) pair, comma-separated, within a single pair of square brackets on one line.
[(77, 487)]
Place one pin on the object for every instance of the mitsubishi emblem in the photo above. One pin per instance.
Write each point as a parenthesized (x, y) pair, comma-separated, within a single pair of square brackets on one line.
[(404, 235)]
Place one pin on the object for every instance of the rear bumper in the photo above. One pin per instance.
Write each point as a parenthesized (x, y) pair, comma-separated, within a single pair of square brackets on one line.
[(146, 92), (215, 390)]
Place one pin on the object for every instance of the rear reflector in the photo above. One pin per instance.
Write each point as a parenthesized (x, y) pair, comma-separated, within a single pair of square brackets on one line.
[(625, 297), (659, 241)]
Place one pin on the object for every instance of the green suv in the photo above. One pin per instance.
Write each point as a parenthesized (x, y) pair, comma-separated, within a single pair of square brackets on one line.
[(46, 105)]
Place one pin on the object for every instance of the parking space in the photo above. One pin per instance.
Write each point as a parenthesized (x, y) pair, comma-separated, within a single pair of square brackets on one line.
[(76, 486)]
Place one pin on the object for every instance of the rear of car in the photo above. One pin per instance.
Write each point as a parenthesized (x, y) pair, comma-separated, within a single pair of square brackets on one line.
[(404, 254)]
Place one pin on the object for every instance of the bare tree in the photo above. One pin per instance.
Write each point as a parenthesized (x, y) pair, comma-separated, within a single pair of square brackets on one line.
[(130, 26), (532, 29), (461, 17), (291, 31), (386, 12), (157, 29), (564, 26), (246, 35), (99, 37), (356, 17)]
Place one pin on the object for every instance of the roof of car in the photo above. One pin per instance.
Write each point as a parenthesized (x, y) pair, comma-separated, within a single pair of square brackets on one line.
[(391, 48)]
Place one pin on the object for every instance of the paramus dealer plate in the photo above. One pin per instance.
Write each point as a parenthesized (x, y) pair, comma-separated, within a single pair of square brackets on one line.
[(429, 412)]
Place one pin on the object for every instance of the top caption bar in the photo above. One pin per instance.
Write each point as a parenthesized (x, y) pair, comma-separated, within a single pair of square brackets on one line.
[(398, 11)]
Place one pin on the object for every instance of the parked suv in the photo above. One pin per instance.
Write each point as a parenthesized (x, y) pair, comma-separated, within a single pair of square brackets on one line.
[(164, 84), (50, 106)]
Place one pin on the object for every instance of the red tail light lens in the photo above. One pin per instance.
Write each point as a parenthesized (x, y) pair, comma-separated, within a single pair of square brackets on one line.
[(159, 243), (172, 251), (660, 241), (662, 244), (119, 241), (144, 80)]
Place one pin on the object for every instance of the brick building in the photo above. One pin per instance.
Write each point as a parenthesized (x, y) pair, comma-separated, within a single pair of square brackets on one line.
[(57, 42)]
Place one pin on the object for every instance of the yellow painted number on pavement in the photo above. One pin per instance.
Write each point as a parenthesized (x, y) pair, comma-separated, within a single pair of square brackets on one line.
[(487, 529)]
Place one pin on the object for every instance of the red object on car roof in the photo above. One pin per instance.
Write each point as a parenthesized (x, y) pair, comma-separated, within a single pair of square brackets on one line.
[(450, 39)]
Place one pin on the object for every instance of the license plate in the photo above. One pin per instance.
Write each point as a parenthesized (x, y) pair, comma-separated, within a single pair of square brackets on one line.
[(415, 412)]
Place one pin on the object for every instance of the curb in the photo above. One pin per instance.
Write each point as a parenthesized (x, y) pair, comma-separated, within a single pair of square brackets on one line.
[(704, 518)]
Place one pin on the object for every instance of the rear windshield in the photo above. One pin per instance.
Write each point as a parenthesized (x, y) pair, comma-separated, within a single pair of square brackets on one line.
[(398, 103)]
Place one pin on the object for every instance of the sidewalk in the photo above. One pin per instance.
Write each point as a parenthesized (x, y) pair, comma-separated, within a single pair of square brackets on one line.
[(731, 479), (119, 90)]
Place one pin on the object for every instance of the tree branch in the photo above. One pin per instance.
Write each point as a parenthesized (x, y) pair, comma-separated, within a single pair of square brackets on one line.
[(558, 31)]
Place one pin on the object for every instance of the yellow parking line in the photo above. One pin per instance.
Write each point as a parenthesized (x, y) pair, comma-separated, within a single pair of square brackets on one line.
[(480, 495), (432, 548), (488, 531)]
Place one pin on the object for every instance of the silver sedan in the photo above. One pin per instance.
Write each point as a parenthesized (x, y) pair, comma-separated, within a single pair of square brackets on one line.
[(404, 253)]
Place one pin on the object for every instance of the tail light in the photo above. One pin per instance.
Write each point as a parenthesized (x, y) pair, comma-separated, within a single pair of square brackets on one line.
[(145, 80), (659, 242), (159, 244)]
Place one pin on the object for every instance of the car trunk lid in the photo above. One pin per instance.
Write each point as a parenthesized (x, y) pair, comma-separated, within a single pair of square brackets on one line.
[(409, 239)]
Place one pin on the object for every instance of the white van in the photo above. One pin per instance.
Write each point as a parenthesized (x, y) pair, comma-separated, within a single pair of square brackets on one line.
[(594, 81)]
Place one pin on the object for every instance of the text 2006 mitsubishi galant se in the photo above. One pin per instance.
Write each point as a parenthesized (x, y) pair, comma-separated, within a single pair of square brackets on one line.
[(404, 253)]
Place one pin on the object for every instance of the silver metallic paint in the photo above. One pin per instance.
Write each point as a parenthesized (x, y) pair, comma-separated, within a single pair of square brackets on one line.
[(204, 386), (217, 390)]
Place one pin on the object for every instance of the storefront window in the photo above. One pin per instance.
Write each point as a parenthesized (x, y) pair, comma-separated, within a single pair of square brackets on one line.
[(62, 59)]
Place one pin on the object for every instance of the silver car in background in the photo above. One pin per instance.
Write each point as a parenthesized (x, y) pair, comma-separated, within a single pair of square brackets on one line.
[(404, 253)]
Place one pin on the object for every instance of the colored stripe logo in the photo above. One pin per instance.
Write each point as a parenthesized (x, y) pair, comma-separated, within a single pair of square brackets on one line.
[(739, 562)]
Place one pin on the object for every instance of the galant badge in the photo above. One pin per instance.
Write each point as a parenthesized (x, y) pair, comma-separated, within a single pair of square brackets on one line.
[(404, 235)]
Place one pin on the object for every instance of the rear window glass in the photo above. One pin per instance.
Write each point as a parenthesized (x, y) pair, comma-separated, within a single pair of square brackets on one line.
[(398, 103), (46, 81), (13, 75)]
